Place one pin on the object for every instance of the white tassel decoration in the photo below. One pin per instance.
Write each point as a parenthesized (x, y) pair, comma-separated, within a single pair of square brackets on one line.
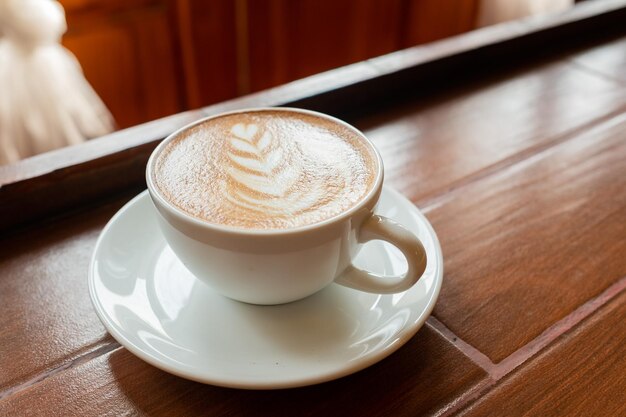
[(45, 101)]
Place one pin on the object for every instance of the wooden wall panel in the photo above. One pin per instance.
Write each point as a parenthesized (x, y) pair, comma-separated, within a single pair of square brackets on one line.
[(288, 40), (152, 58), (129, 57), (430, 20), (208, 45)]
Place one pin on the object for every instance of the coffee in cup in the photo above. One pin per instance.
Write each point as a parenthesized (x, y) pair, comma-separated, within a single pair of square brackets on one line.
[(271, 169)]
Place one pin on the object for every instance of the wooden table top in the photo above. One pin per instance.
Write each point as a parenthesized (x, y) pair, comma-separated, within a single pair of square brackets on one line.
[(521, 171)]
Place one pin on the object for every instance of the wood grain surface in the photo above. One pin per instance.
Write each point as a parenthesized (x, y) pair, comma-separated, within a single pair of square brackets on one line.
[(526, 246), (608, 60), (411, 382), (521, 171), (584, 374), (431, 144), (47, 318)]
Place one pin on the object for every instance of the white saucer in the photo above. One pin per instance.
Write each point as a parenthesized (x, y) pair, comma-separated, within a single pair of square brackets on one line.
[(156, 309)]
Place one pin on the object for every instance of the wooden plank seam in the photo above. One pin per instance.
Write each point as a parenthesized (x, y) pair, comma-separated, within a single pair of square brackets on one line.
[(594, 71), (102, 350), (497, 371), (521, 158)]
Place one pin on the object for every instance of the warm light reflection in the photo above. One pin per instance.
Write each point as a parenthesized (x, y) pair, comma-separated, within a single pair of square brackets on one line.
[(172, 285)]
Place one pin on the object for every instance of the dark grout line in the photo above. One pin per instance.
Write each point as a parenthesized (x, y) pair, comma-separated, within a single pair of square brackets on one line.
[(438, 198), (102, 350)]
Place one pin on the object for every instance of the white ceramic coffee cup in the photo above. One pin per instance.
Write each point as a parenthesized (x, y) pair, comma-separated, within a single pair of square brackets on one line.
[(280, 266)]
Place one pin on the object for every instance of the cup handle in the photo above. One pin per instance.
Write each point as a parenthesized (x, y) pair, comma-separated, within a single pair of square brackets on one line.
[(379, 227)]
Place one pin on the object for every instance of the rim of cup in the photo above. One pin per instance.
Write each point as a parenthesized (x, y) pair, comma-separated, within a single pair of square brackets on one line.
[(206, 225)]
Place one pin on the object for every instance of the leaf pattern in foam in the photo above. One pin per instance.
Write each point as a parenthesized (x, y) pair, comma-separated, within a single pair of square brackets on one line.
[(258, 164)]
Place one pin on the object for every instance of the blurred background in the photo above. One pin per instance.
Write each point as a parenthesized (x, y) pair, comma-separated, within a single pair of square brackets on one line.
[(152, 58)]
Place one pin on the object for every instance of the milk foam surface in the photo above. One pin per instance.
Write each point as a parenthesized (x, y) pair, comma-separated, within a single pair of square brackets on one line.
[(268, 169)]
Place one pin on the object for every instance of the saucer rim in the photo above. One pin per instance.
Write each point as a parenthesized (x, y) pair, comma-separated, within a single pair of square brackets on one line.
[(409, 330)]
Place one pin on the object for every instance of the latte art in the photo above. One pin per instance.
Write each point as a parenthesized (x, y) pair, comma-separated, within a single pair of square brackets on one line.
[(267, 169), (261, 177)]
